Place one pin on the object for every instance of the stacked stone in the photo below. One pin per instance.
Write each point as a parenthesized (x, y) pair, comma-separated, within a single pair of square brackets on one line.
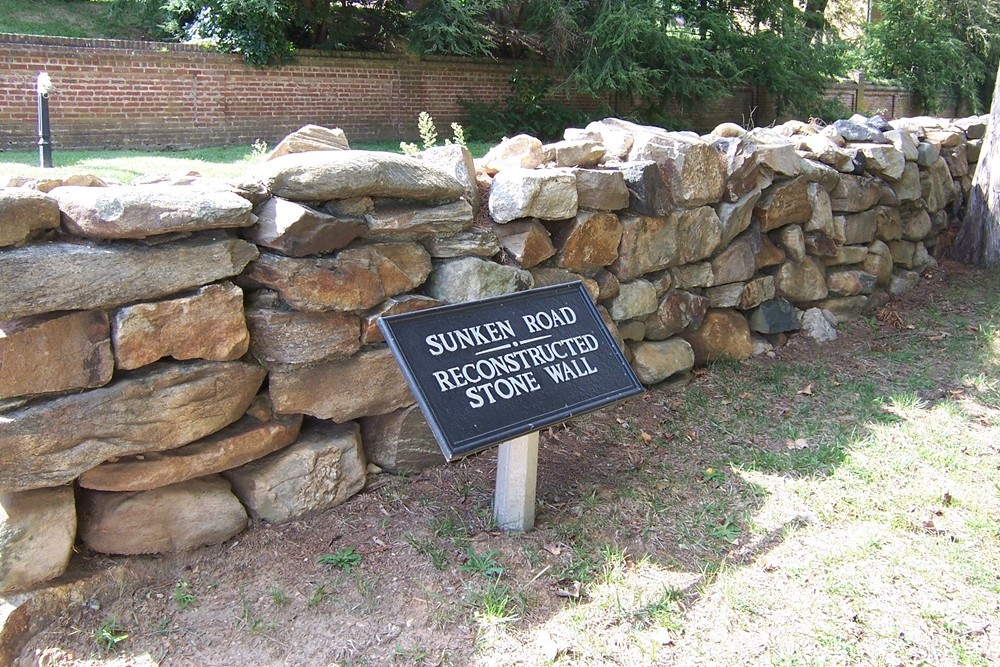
[(728, 242)]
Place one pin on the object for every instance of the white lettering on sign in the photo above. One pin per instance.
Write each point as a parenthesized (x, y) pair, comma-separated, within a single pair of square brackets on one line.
[(506, 370)]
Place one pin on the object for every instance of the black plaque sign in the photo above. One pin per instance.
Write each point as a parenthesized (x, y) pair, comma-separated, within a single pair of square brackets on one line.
[(488, 371)]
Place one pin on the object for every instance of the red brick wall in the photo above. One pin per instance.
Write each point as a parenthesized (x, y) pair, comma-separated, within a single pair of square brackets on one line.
[(112, 93)]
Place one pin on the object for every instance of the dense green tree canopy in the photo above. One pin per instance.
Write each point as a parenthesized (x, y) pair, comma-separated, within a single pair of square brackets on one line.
[(683, 50)]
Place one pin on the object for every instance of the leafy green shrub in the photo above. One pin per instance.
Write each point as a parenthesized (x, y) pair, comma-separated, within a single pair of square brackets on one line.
[(454, 27), (256, 29), (527, 109)]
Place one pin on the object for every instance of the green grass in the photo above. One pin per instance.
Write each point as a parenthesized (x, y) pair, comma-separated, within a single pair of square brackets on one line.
[(66, 18), (126, 165)]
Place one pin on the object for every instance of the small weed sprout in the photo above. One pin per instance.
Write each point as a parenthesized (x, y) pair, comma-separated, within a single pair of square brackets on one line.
[(458, 135), (344, 558), (429, 135), (183, 595), (109, 634), (258, 150), (318, 595), (485, 564), (279, 597), (427, 129)]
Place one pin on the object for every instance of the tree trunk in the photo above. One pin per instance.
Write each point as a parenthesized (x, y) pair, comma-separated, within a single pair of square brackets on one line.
[(978, 240)]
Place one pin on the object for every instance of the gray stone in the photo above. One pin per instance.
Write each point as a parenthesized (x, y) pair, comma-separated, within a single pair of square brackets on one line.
[(282, 336), (297, 230), (774, 316), (780, 158), (616, 135), (609, 285), (161, 407), (323, 175), (693, 170), (936, 186), (957, 160), (311, 138), (46, 354), (735, 217), (723, 334), (546, 276), (172, 518), (793, 241), (878, 262), (927, 154), (907, 188), (648, 193), (861, 227), (322, 470), (946, 138), (633, 330), (903, 281), (855, 193), (526, 241), (138, 211), (974, 127), (405, 222), (601, 189), (473, 242), (25, 212), (547, 194), (724, 296), (784, 203), (820, 245), (821, 218), (819, 325), (692, 276), (406, 303), (676, 311), (208, 324), (37, 531), (854, 131), (916, 224), (573, 153), (847, 254), (589, 241), (756, 292), (745, 174), (973, 150), (400, 442), (369, 383), (850, 282), (699, 234), (824, 150), (101, 276), (457, 161), (883, 160), (257, 434), (736, 263), (801, 281), (470, 278), (820, 174), (903, 142), (655, 361), (845, 308), (635, 299), (521, 151), (648, 244)]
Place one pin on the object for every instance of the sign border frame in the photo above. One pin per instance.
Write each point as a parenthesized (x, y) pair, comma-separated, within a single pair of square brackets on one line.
[(452, 450)]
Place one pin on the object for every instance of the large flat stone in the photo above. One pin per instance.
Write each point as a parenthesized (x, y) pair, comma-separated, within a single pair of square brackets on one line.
[(323, 175), (311, 138), (138, 211), (209, 324), (855, 193), (172, 518), (298, 230), (256, 434), (44, 354), (677, 310), (648, 244), (474, 242), (103, 276), (601, 189), (403, 222), (546, 194), (801, 281), (784, 203), (457, 161), (693, 170), (161, 407), (369, 383), (471, 278), (526, 241), (322, 470), (37, 531), (400, 441), (655, 361), (279, 335), (23, 213)]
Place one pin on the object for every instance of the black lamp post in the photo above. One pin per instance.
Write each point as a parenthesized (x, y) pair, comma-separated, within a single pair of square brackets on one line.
[(44, 86)]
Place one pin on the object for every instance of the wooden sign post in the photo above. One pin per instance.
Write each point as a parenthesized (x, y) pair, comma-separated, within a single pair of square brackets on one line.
[(498, 370)]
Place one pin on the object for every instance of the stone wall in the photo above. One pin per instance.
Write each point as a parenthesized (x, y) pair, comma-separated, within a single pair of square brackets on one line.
[(181, 353), (115, 94)]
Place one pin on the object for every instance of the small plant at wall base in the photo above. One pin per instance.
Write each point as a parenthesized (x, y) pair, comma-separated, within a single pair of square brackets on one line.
[(429, 135)]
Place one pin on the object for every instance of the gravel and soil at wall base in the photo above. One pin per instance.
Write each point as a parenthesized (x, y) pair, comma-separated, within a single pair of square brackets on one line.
[(656, 492)]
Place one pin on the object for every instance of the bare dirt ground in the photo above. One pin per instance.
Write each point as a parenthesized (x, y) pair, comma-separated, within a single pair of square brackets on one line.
[(638, 482)]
